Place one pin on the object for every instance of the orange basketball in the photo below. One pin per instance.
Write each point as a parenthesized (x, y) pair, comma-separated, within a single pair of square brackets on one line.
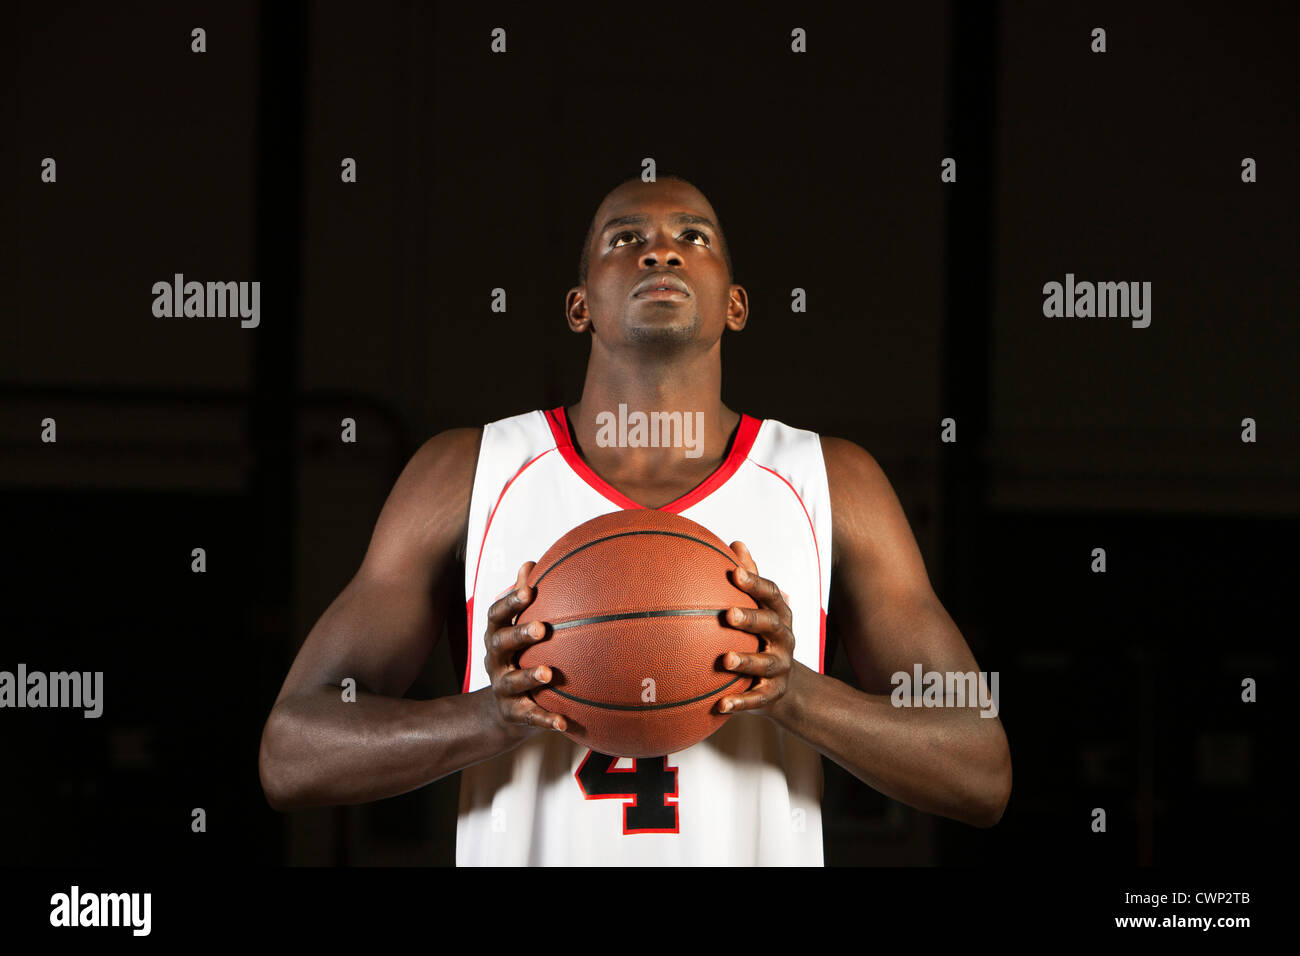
[(634, 603)]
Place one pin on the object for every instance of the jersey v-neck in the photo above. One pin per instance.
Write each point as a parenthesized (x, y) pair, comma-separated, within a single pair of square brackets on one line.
[(741, 444)]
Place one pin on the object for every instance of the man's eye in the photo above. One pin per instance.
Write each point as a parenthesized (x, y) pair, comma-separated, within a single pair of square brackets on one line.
[(614, 243)]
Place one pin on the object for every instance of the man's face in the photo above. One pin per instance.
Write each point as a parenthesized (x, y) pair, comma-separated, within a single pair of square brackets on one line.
[(652, 234)]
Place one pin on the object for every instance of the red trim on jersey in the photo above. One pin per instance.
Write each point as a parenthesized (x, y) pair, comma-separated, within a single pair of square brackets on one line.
[(469, 605), (745, 435), (821, 652), (821, 648), (469, 637)]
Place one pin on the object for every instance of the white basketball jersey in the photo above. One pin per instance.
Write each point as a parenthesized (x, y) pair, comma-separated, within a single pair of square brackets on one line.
[(748, 795)]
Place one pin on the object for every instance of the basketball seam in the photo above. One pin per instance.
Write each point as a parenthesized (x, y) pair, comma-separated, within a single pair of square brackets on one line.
[(630, 615), (680, 703), (625, 534)]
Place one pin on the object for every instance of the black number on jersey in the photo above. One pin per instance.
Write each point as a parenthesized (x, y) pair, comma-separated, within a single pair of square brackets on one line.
[(647, 787)]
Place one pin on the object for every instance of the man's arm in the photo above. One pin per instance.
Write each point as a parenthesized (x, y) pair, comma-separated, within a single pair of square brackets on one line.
[(318, 750), (947, 760)]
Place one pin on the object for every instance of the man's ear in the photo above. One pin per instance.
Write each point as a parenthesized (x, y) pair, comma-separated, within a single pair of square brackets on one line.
[(576, 312), (737, 308)]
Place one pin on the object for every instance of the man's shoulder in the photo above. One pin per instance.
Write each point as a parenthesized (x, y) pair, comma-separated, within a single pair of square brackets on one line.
[(852, 472), (430, 500), (776, 442), (449, 452), (450, 459), (848, 459), (858, 489)]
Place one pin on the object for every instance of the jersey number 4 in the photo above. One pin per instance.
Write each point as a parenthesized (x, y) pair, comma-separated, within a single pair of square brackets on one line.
[(646, 787)]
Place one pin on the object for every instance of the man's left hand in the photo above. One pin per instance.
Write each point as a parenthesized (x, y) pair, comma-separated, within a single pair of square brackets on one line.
[(771, 622)]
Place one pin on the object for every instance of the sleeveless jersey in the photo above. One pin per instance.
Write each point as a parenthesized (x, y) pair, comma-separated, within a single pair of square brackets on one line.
[(750, 794)]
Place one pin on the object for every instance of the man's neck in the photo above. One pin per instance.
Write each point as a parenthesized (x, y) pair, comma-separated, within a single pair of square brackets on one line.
[(656, 424)]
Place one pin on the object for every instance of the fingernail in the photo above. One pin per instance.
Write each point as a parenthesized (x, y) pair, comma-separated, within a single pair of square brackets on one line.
[(540, 674), (742, 575), (521, 595), (726, 707), (737, 615), (732, 660)]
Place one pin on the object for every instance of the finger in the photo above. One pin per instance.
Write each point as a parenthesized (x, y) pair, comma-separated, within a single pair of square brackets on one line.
[(505, 641), (756, 665), (758, 587), (764, 591), (524, 711), (755, 620), (517, 682), (505, 608), (746, 558), (525, 569), (762, 694)]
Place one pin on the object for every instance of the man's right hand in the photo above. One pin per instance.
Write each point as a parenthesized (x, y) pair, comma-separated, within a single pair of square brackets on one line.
[(516, 712)]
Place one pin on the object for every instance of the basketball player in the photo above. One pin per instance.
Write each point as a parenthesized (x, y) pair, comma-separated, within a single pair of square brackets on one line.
[(813, 519)]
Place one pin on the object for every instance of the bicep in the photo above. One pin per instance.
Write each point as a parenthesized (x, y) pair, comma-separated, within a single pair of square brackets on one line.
[(382, 627), (889, 618)]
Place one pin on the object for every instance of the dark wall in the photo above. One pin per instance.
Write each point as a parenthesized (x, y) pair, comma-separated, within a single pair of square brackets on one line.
[(478, 171)]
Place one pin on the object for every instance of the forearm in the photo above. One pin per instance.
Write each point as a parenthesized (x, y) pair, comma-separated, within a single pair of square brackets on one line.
[(318, 750), (945, 760)]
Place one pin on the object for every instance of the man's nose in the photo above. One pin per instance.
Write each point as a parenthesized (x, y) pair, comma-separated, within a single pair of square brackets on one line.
[(658, 250)]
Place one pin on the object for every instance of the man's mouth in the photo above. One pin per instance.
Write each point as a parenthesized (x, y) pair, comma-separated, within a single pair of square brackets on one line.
[(661, 294), (662, 286)]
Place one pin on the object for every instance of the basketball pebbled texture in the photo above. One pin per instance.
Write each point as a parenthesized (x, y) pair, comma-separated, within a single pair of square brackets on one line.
[(631, 597)]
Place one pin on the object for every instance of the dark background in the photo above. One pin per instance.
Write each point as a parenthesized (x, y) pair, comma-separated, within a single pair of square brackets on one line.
[(478, 171)]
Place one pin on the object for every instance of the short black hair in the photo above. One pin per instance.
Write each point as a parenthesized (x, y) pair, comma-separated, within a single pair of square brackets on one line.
[(584, 260)]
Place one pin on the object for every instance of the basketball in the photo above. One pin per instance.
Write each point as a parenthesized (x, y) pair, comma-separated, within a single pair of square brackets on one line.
[(635, 602)]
